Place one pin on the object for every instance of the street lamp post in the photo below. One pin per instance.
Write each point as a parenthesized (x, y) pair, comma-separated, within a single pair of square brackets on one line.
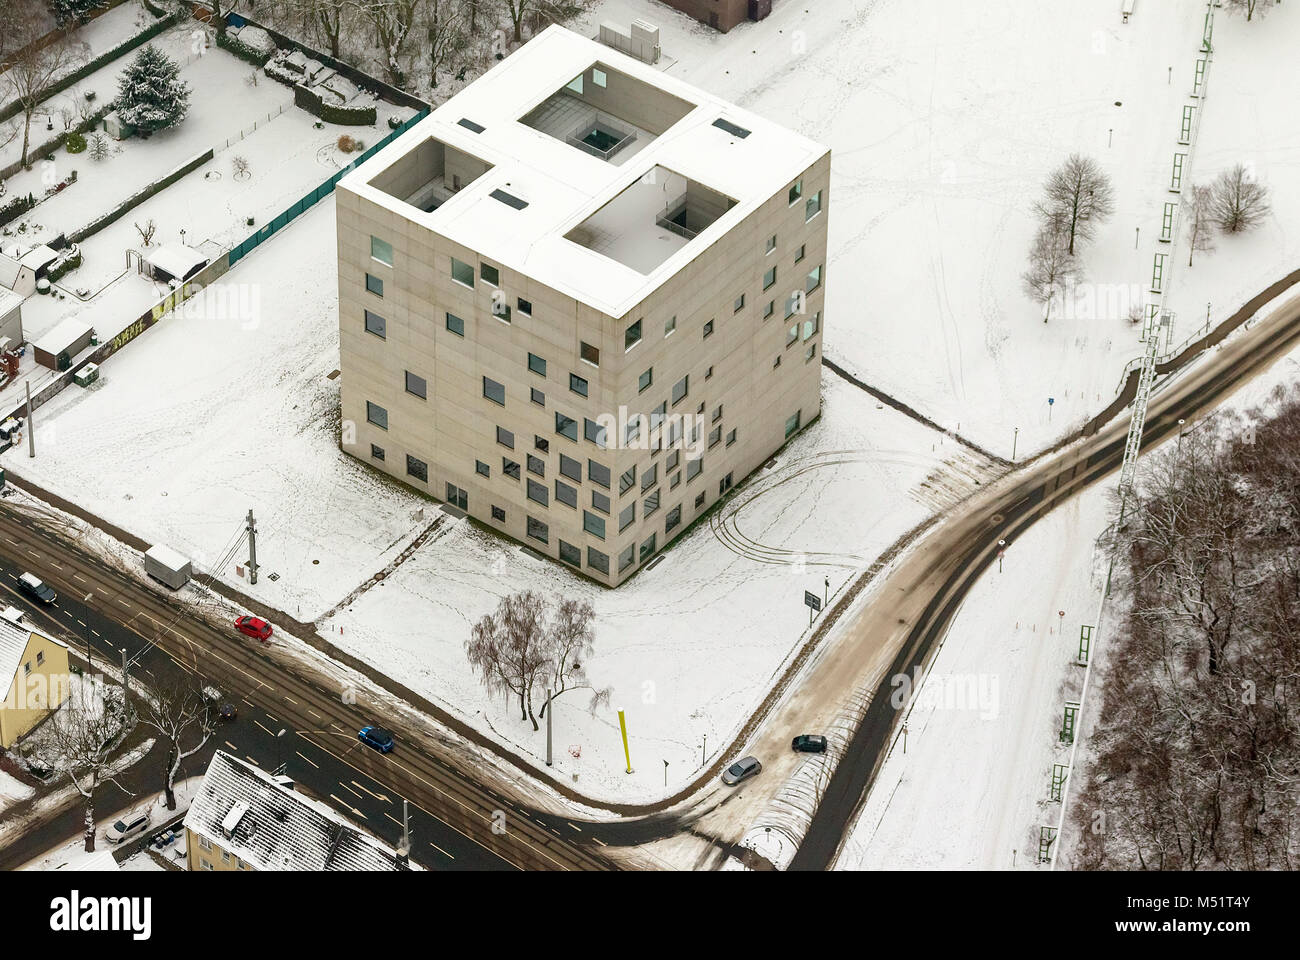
[(86, 600), (1002, 545), (1015, 438), (279, 752)]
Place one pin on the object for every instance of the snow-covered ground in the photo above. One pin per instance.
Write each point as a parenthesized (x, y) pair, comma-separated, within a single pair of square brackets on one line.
[(944, 119), (12, 791)]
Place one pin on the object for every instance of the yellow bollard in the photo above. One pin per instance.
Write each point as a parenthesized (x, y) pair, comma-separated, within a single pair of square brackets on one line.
[(622, 725)]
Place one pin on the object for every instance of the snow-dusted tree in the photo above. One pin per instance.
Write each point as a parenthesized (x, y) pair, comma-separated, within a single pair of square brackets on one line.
[(570, 640), (1249, 7), (33, 65), (71, 12), (180, 714), (328, 19), (508, 649), (1238, 200), (445, 30), (151, 94), (98, 147), (220, 10), (1198, 205), (393, 21), (239, 166), (538, 10), (1078, 197), (146, 232), (1051, 266)]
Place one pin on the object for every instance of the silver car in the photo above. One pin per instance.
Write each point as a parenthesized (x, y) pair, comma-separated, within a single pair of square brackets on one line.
[(127, 827), (742, 769)]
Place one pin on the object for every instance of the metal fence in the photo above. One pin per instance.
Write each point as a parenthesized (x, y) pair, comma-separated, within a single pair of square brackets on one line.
[(324, 190)]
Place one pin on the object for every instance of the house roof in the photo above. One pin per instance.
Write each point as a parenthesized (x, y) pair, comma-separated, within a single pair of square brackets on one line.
[(9, 270), (39, 256), (564, 186), (63, 336), (275, 828), (14, 638), (9, 300), (177, 260)]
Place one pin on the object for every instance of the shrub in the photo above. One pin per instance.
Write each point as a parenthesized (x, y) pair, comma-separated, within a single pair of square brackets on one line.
[(75, 143), (346, 143)]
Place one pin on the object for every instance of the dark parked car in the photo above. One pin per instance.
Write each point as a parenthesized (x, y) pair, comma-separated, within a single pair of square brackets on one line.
[(227, 712), (376, 737), (809, 743), (34, 587), (255, 627), (742, 769)]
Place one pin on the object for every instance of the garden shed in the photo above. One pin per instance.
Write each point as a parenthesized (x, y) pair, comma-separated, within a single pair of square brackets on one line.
[(58, 348)]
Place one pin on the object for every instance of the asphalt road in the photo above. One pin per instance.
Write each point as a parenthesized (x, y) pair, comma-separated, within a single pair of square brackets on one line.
[(456, 822)]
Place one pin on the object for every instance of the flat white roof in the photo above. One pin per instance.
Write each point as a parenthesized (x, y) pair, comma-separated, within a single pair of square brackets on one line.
[(38, 257), (176, 259), (171, 559), (63, 336), (9, 300), (563, 186)]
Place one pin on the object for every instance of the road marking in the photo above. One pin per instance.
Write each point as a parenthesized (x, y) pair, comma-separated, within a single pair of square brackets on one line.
[(232, 746), (57, 566), (446, 854), (598, 840), (308, 759), (292, 700), (259, 723), (574, 826), (349, 806), (315, 714), (349, 789), (252, 761), (273, 716), (77, 576), (377, 796), (33, 553)]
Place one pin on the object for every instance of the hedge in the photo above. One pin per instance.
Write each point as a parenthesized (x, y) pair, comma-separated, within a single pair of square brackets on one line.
[(144, 36), (242, 50), (36, 151), (56, 272), (15, 208), (90, 229), (342, 114)]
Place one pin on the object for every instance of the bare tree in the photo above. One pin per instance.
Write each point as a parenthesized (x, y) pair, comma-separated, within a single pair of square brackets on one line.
[(147, 231), (507, 648), (1200, 234), (180, 715), (570, 640), (393, 21), (1238, 201), (445, 30), (34, 65), (328, 18), (1078, 197), (1051, 267), (239, 166), (220, 10), (1249, 7), (538, 10)]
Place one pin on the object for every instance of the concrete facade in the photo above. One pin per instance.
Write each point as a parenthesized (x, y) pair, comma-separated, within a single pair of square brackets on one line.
[(718, 383), (719, 14)]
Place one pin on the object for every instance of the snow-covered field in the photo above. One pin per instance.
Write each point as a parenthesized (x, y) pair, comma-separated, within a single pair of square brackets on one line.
[(944, 119)]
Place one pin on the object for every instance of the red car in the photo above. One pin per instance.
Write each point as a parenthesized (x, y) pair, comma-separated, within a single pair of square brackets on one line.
[(255, 627)]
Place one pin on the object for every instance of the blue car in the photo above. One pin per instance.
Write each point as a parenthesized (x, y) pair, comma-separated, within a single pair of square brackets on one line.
[(376, 737)]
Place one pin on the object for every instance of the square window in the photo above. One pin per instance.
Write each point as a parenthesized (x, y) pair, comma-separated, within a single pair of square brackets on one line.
[(680, 389), (538, 493), (647, 549), (598, 473), (494, 391), (739, 304), (650, 477), (717, 413), (524, 306), (769, 278), (627, 517), (699, 501), (810, 326), (599, 501), (462, 273), (417, 386), (632, 336), (771, 244), (570, 554), (456, 325), (645, 380), (382, 251), (694, 468), (594, 432), (627, 481), (769, 309), (505, 438), (498, 514), (536, 465), (482, 469), (593, 524), (541, 443), (377, 325), (597, 560), (810, 352), (792, 335), (377, 415), (627, 557), (731, 438), (377, 452), (571, 468), (490, 274), (799, 255), (566, 494), (792, 424), (813, 206), (566, 426), (537, 364), (598, 77), (417, 468), (708, 330), (374, 285), (675, 481), (796, 191), (510, 468), (670, 325), (537, 396), (578, 385), (672, 518), (814, 279), (538, 530), (715, 437), (500, 309), (589, 354), (795, 304), (674, 458)]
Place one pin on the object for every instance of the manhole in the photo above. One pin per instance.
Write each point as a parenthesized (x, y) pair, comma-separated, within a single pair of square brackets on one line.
[(273, 576), (333, 375)]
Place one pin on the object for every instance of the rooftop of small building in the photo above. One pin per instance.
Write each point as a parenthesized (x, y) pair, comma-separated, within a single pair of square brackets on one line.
[(579, 189)]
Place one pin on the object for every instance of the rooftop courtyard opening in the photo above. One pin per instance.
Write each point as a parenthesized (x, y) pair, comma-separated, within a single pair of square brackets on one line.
[(651, 219), (607, 113), (428, 175)]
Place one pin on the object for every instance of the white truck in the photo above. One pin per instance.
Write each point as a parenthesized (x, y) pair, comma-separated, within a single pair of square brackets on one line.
[(167, 566)]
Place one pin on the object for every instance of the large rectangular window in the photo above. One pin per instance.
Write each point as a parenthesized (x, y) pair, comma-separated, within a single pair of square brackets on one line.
[(813, 206), (538, 530), (599, 501), (632, 336), (597, 561), (566, 426), (650, 477), (538, 493), (598, 473), (627, 557), (627, 481), (769, 278), (650, 504), (647, 549), (382, 251), (578, 385), (505, 438), (377, 325), (792, 424), (627, 516), (490, 274), (536, 364), (594, 432), (374, 285), (377, 415), (644, 381), (456, 325), (593, 524), (417, 468), (570, 554), (536, 465), (796, 191), (417, 386), (681, 388), (814, 279), (571, 468), (694, 468), (566, 494), (462, 273), (673, 518), (494, 391)]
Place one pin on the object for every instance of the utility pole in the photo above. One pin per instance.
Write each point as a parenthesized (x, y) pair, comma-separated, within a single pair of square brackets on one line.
[(404, 845), (1137, 232), (31, 421), (665, 774), (279, 752), (826, 596), (126, 684), (704, 750), (1015, 438), (89, 663), (252, 548), (1002, 549), (550, 712)]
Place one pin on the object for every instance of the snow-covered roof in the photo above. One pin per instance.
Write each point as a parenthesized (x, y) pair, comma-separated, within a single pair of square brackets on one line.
[(63, 336), (13, 642), (9, 300), (165, 555), (39, 256), (275, 828), (564, 186), (177, 260), (9, 268)]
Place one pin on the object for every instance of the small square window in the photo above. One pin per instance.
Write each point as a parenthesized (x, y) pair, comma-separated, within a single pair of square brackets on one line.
[(814, 279), (644, 381), (627, 517), (792, 424), (647, 549), (708, 330), (590, 354), (482, 469), (505, 438), (796, 191), (537, 397), (541, 443), (810, 352), (627, 557), (382, 251), (374, 285), (694, 468), (632, 336), (510, 468), (489, 274), (769, 278), (739, 304), (715, 437), (598, 77), (537, 364), (681, 388), (731, 438), (500, 309), (708, 374), (494, 391), (417, 386), (777, 362), (377, 415), (498, 514), (462, 273), (417, 468), (536, 465), (800, 254), (771, 244), (670, 325), (456, 325), (813, 206), (578, 385), (524, 306), (717, 413), (769, 309), (376, 452), (377, 325), (627, 481), (699, 501)]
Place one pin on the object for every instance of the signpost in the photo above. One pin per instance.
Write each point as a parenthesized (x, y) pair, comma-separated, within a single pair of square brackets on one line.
[(813, 603)]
